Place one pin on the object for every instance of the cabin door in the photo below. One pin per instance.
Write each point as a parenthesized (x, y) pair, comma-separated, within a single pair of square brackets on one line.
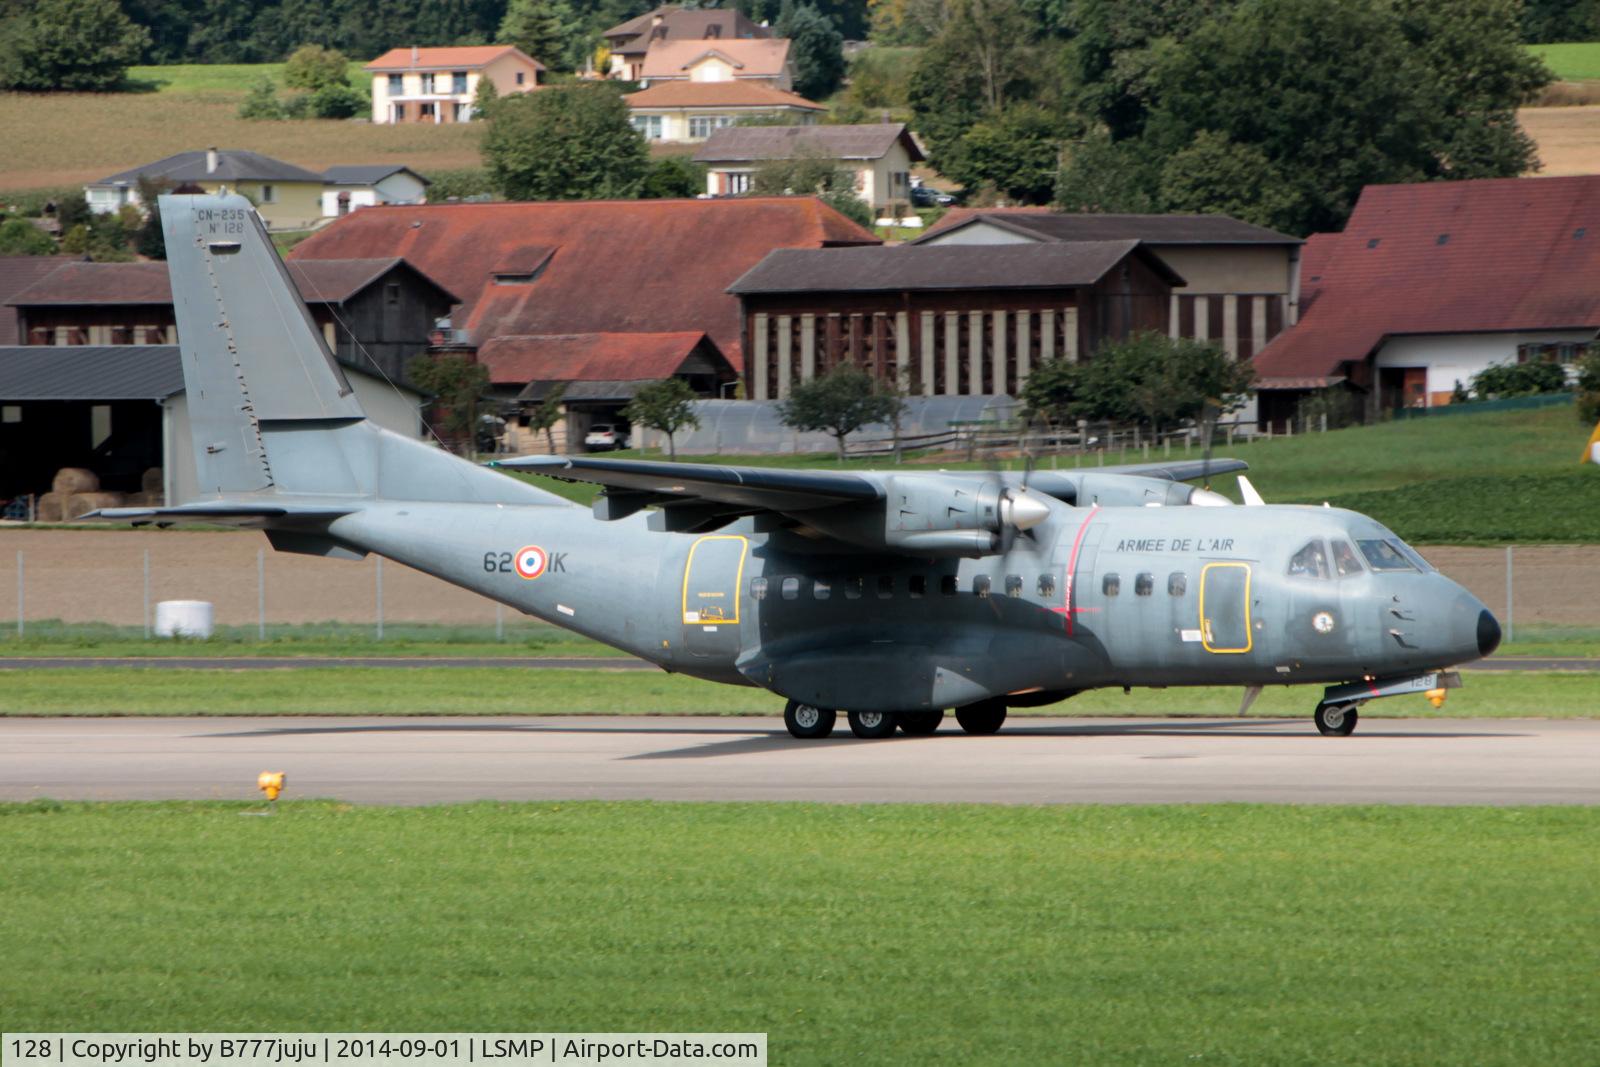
[(1225, 608), (711, 581)]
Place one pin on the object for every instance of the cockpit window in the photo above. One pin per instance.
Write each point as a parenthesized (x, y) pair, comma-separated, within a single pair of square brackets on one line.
[(1310, 562), (1385, 555), (1344, 559), (1414, 556)]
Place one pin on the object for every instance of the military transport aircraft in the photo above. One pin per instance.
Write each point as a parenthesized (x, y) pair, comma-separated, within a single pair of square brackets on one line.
[(892, 596)]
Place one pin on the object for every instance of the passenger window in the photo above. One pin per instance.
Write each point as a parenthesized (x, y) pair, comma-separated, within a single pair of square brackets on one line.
[(919, 585), (1344, 559), (821, 590), (1047, 585), (1144, 584), (1013, 585), (758, 589), (852, 588), (948, 585), (1384, 556), (1310, 562), (885, 586), (791, 589), (1111, 585), (980, 585), (1177, 583)]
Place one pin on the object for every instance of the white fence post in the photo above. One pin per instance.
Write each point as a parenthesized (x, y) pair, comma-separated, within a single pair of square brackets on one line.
[(147, 594), (261, 594), (21, 587), (1510, 596), (379, 571)]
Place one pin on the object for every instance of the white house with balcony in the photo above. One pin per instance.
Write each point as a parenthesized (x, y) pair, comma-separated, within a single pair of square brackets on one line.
[(439, 85)]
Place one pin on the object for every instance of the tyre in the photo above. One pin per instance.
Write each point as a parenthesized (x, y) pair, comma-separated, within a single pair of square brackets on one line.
[(872, 724), (920, 723), (984, 717), (1336, 720), (807, 721)]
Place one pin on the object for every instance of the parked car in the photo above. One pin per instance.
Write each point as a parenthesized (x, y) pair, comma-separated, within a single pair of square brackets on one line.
[(603, 437), (927, 196)]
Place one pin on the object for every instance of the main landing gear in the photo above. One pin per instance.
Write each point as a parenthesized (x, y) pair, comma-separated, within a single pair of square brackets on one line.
[(1337, 720), (809, 722)]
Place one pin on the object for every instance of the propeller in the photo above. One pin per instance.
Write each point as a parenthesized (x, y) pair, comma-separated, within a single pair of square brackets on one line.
[(1018, 510)]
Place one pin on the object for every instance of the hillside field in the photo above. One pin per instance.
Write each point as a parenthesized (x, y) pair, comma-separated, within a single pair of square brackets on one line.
[(1570, 61)]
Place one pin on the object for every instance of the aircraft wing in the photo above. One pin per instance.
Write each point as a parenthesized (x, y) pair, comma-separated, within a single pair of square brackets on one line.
[(644, 482), (1180, 471)]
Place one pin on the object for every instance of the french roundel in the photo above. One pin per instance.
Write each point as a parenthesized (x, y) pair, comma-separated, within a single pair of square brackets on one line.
[(531, 561)]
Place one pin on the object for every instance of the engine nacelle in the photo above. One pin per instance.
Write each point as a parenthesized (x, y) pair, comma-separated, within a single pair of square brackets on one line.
[(936, 515)]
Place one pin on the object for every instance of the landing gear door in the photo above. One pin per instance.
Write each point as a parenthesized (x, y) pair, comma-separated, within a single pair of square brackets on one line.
[(1225, 608), (711, 581)]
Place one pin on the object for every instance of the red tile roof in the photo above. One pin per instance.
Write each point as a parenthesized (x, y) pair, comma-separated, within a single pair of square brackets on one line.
[(620, 266), (1314, 256), (589, 357), (1448, 257), (86, 284), (717, 94), (438, 58), (749, 57)]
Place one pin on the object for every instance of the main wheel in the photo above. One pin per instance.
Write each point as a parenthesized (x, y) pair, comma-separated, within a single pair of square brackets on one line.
[(1336, 720), (807, 721), (872, 724), (984, 717), (920, 723)]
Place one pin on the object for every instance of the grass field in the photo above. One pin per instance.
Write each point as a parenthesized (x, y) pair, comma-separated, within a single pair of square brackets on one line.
[(873, 934), (1578, 61), (501, 691)]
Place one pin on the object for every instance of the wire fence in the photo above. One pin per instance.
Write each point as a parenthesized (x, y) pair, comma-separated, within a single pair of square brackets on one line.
[(94, 584)]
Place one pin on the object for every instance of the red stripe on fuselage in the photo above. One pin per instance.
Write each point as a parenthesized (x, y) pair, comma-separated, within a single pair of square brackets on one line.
[(1072, 564)]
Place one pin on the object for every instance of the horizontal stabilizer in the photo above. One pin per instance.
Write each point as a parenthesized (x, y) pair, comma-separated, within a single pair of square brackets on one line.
[(220, 513)]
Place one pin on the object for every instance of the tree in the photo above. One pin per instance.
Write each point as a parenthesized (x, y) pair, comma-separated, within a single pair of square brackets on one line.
[(1017, 151), (457, 385), (839, 402), (1149, 379), (809, 173), (150, 241), (483, 99), (1588, 385), (543, 29), (666, 406), (19, 237), (673, 176), (69, 45), (1215, 175), (816, 48), (313, 67), (571, 142), (548, 412), (338, 101), (1108, 176), (1549, 21), (1519, 379), (261, 102)]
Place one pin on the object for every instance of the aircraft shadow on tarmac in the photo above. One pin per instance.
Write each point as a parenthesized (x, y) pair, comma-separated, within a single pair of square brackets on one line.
[(761, 739)]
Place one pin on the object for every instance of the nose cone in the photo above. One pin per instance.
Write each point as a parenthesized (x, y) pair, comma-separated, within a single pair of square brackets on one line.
[(1024, 511), (1488, 633)]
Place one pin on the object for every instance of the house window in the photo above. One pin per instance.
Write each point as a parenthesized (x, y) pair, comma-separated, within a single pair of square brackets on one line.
[(701, 126), (391, 294), (425, 111), (649, 125), (455, 111), (522, 76), (427, 84), (269, 194), (738, 182), (397, 84), (458, 83), (11, 413)]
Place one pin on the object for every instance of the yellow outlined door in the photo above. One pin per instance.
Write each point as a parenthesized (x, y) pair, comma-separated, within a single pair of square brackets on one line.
[(711, 582), (1225, 608)]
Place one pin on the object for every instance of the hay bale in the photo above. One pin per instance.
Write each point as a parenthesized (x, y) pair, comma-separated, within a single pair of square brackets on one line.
[(75, 480), (153, 481), (80, 504), (50, 507)]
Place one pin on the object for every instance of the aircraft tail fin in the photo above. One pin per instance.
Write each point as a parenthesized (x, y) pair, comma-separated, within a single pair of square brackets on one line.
[(251, 354)]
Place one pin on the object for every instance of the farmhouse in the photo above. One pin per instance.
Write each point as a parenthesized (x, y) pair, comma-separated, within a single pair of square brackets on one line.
[(558, 281), (686, 112), (438, 85), (880, 155), (1241, 278), (944, 320), (629, 41), (360, 185), (1429, 284), (374, 314)]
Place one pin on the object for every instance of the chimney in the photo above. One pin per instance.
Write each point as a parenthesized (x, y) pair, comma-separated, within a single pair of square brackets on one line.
[(211, 161), (657, 19), (416, 57)]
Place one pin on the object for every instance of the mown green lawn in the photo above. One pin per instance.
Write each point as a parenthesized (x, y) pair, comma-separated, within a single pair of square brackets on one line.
[(230, 79), (526, 691), (1579, 61), (882, 934)]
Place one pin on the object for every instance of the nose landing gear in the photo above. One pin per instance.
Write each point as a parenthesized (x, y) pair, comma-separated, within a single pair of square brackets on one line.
[(1337, 720)]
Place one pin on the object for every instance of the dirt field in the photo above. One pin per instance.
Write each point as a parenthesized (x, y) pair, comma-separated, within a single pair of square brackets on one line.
[(1568, 138), (97, 576)]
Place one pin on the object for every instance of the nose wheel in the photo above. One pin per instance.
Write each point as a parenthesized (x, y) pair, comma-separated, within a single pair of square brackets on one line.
[(1336, 720), (809, 722)]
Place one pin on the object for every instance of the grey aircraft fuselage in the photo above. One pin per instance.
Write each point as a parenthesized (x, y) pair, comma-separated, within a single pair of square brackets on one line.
[(1093, 597)]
